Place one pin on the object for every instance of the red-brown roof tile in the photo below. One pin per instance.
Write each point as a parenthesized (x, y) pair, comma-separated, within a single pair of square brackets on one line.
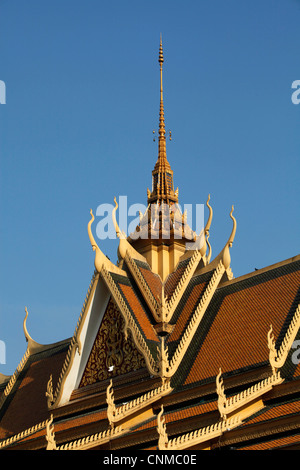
[(27, 401), (240, 321)]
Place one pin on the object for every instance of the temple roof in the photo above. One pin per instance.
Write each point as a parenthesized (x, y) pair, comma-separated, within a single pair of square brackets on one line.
[(170, 351)]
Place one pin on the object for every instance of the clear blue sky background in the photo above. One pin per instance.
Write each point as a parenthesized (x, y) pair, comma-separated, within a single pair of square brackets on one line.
[(82, 99)]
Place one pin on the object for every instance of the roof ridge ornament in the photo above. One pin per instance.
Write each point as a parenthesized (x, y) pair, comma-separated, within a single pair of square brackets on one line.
[(162, 430), (32, 346), (224, 255), (277, 358), (162, 175), (49, 392), (161, 131), (124, 246), (238, 402), (50, 436), (101, 259)]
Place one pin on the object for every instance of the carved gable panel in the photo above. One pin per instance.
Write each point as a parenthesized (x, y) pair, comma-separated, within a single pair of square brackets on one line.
[(111, 354)]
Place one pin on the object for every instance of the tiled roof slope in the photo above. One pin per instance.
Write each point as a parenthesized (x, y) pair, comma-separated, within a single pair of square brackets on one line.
[(138, 309), (173, 278), (276, 425), (26, 405), (233, 332), (276, 444), (275, 411), (232, 335), (153, 280)]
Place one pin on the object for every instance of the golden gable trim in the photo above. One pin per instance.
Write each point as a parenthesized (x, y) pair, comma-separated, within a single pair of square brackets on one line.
[(278, 358)]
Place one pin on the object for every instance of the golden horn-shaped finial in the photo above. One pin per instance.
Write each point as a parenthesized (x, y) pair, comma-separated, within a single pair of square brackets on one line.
[(226, 254), (119, 233), (161, 429), (91, 237), (232, 235), (124, 246), (32, 345), (203, 236), (208, 223), (100, 258)]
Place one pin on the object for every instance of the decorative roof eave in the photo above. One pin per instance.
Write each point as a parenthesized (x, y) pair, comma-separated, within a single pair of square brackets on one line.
[(117, 414), (236, 402), (93, 440), (13, 378), (4, 378), (22, 435), (32, 348), (200, 436), (278, 358)]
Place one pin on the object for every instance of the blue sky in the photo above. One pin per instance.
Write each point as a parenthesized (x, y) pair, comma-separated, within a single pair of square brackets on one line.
[(82, 99)]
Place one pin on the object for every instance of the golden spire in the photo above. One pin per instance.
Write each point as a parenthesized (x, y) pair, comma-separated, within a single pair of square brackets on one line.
[(162, 153), (162, 175)]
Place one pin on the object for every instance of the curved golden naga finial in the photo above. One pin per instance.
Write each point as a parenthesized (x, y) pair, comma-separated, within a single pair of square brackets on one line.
[(124, 245), (232, 235), (100, 258), (208, 256), (205, 233), (49, 392), (161, 429), (91, 236), (225, 254), (32, 345), (27, 335), (50, 436), (120, 233), (221, 394), (272, 349), (208, 223)]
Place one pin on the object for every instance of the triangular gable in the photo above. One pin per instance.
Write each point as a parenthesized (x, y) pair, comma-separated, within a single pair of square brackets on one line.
[(111, 353)]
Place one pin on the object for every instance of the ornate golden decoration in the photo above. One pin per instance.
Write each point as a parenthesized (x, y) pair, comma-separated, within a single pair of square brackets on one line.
[(277, 358), (116, 414), (100, 259), (111, 354), (21, 435), (49, 392), (162, 430), (50, 437), (93, 440), (239, 401), (221, 395)]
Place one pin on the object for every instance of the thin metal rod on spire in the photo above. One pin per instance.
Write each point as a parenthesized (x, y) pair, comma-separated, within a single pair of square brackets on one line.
[(162, 153)]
